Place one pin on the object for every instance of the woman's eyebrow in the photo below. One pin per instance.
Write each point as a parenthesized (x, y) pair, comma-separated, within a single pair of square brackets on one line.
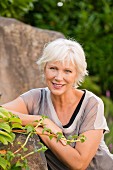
[(52, 65)]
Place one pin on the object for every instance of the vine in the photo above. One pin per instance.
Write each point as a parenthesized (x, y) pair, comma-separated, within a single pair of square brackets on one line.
[(11, 124)]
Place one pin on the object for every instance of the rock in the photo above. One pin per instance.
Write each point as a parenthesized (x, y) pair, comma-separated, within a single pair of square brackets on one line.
[(20, 47)]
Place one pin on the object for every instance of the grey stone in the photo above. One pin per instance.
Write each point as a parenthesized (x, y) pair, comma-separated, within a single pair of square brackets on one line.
[(20, 47)]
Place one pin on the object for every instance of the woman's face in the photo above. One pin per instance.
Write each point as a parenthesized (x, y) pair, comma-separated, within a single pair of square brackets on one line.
[(60, 77)]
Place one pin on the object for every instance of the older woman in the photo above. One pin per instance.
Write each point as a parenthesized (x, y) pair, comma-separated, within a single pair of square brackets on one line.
[(70, 110)]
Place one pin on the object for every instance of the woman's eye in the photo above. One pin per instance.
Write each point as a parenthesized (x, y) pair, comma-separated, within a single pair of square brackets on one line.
[(68, 71), (52, 68)]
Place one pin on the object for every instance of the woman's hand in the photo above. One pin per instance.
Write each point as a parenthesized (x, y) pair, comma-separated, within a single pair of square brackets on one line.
[(53, 130), (51, 125)]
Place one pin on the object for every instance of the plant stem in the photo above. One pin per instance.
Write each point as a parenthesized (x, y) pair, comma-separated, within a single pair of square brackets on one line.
[(22, 146), (30, 153)]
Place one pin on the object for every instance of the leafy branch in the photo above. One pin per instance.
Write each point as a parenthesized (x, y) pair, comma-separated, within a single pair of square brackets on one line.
[(11, 124)]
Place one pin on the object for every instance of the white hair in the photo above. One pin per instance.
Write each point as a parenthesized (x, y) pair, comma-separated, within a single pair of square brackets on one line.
[(69, 50)]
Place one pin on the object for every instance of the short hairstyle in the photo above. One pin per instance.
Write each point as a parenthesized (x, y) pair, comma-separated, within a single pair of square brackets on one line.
[(63, 49)]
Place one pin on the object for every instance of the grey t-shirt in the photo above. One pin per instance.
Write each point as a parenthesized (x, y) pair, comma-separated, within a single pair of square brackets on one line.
[(89, 116)]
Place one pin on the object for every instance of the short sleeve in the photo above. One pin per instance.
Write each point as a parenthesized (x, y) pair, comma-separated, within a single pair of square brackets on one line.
[(93, 117), (32, 100)]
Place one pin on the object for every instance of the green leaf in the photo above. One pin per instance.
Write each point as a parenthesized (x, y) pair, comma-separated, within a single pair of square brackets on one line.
[(15, 119), (46, 130), (5, 126), (36, 120), (6, 137), (82, 138), (18, 155), (16, 168), (5, 134), (29, 128), (10, 155), (43, 147), (3, 163), (44, 117), (12, 135), (68, 142), (50, 137), (11, 114), (17, 125), (19, 143), (1, 115), (4, 112), (18, 164), (3, 140), (59, 136), (74, 136), (25, 149)]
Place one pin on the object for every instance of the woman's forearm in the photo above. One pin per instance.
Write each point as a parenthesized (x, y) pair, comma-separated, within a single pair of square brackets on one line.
[(31, 119), (66, 154), (27, 119)]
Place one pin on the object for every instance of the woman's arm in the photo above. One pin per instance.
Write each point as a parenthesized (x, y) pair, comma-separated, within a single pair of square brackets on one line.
[(18, 107), (77, 158)]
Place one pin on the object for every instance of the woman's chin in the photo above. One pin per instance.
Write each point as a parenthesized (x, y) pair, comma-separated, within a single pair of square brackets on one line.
[(57, 91)]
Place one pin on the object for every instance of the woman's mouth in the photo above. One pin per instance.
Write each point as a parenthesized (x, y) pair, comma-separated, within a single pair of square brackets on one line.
[(57, 86)]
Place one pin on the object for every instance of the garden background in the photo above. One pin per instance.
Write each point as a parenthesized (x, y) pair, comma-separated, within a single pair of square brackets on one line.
[(87, 21)]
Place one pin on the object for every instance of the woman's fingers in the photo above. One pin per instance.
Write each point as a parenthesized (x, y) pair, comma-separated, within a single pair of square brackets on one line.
[(63, 142), (39, 131)]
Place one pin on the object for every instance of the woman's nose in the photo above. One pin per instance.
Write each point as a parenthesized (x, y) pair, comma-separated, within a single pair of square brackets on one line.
[(58, 76)]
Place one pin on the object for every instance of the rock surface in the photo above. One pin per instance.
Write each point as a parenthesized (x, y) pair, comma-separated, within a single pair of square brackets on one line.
[(35, 161), (20, 47)]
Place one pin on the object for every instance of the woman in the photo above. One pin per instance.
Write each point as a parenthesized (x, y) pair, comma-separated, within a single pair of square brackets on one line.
[(70, 110)]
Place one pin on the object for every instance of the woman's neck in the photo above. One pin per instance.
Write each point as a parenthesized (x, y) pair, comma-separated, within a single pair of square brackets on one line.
[(66, 104), (66, 100)]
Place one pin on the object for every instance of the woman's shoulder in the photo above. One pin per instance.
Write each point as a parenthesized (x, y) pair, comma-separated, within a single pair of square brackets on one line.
[(34, 93), (90, 95)]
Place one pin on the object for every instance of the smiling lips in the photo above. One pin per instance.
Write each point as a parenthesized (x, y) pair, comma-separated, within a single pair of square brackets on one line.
[(57, 86)]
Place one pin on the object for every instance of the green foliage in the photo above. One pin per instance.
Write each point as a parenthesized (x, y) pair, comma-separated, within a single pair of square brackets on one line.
[(15, 8), (8, 123), (89, 22), (91, 84), (6, 126), (109, 137), (73, 138), (108, 108)]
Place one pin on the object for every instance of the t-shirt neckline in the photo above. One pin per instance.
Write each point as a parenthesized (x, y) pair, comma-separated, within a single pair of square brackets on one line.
[(54, 114)]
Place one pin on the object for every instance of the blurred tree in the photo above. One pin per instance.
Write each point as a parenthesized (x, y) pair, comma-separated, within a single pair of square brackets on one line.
[(89, 22), (15, 8)]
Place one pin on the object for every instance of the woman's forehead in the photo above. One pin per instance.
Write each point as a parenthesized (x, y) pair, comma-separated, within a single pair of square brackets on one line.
[(64, 63)]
